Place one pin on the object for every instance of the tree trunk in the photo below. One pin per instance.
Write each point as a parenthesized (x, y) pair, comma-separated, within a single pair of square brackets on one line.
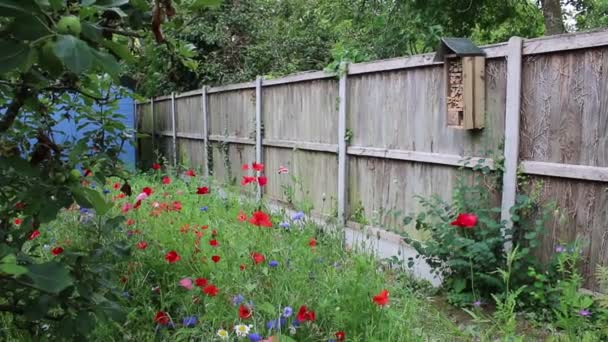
[(552, 12)]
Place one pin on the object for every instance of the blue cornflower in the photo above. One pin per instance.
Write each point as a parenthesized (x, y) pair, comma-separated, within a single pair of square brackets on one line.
[(284, 224), (93, 185), (106, 191), (297, 216), (254, 337), (287, 311), (238, 299), (273, 263), (204, 208), (190, 321), (276, 323), (126, 294), (84, 210), (560, 249)]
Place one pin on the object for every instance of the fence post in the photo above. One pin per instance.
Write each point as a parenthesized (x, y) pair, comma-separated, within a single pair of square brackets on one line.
[(258, 128), (136, 143), (342, 149), (205, 112), (153, 124), (174, 129), (512, 118)]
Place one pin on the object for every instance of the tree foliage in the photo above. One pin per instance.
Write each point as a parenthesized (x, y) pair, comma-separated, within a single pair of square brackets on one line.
[(63, 60), (244, 38)]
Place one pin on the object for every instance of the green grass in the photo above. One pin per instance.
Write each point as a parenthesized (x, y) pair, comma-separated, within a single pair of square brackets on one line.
[(336, 283)]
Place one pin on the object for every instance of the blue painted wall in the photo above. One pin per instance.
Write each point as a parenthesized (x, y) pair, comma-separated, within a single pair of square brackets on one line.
[(68, 128)]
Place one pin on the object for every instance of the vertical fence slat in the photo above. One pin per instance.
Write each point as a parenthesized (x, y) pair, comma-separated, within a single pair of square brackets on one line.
[(342, 149), (205, 112), (258, 127), (153, 124), (512, 118), (174, 129)]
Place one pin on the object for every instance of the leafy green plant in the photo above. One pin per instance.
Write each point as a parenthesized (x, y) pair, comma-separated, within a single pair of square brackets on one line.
[(466, 258)]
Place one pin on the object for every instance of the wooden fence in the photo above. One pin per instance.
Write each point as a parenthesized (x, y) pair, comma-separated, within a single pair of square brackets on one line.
[(371, 139)]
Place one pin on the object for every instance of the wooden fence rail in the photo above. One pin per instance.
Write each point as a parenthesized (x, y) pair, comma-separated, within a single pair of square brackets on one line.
[(363, 144)]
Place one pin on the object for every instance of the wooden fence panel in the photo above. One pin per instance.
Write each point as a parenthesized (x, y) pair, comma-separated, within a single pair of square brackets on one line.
[(565, 121), (232, 113), (188, 115), (304, 111), (316, 174)]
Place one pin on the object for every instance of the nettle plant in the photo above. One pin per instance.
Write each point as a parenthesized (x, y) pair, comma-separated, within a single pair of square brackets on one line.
[(466, 238), (62, 60)]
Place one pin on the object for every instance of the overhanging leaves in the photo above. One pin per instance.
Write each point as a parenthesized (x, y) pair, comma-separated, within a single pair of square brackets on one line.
[(51, 277), (74, 53), (90, 198), (13, 55)]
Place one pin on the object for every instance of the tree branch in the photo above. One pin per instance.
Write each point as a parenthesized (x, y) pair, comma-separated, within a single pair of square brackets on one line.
[(13, 109), (124, 33)]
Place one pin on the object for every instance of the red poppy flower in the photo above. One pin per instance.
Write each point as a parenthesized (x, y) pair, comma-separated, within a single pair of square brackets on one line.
[(147, 190), (34, 234), (465, 221), (166, 180), (305, 315), (260, 219), (142, 245), (257, 167), (248, 179), (381, 299), (121, 195), (162, 318), (257, 257), (262, 180), (204, 227), (88, 173), (340, 336), (200, 282), (312, 242), (190, 173), (156, 166), (245, 167), (57, 250), (177, 205), (19, 205), (241, 217), (18, 221), (211, 290), (215, 258), (202, 191), (130, 222), (242, 267), (137, 204), (213, 243), (244, 312), (116, 186), (214, 233), (172, 257)]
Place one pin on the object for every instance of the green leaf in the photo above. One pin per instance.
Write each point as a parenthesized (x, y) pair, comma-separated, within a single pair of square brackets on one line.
[(199, 4), (74, 53), (29, 27), (9, 266), (268, 308), (51, 276), (111, 3), (92, 32), (15, 7), (285, 338), (91, 199), (107, 63), (14, 55), (57, 4), (120, 50)]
